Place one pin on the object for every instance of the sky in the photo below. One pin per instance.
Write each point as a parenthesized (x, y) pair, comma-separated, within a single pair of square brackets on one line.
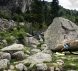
[(68, 4)]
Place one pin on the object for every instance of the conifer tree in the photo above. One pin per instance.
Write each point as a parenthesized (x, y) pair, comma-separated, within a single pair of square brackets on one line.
[(54, 8)]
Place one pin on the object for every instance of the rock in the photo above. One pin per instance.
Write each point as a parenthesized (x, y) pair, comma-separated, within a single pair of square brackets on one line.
[(59, 54), (41, 39), (34, 51), (44, 46), (60, 62), (48, 51), (40, 57), (4, 55), (13, 48), (10, 70), (45, 49), (18, 55), (41, 67), (11, 67), (6, 25), (51, 69), (60, 65), (57, 69), (60, 30), (31, 41), (21, 67), (4, 63)]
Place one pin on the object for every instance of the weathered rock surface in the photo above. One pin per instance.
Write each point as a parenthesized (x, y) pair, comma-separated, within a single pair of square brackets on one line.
[(4, 64), (4, 55), (60, 30), (40, 57), (5, 24), (31, 41), (12, 48), (44, 46), (23, 5), (11, 67), (18, 55), (61, 64), (51, 69), (34, 51), (21, 67), (41, 67)]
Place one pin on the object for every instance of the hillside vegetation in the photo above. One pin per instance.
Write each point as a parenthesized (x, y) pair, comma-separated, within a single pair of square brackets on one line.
[(40, 14)]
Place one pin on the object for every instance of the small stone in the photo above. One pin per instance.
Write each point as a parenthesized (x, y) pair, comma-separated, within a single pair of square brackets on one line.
[(12, 48), (60, 62), (34, 51), (4, 70), (41, 67), (44, 46), (9, 70), (47, 51), (51, 68), (18, 55), (4, 63), (21, 67), (4, 55), (57, 69)]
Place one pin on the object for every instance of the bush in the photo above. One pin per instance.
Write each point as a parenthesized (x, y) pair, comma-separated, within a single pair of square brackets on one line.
[(5, 14), (18, 17)]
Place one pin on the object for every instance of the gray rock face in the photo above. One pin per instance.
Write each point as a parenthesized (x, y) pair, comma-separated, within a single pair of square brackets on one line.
[(5, 56), (51, 69), (21, 67), (4, 64), (41, 67), (31, 41), (39, 58), (14, 4), (60, 30), (6, 25), (15, 47), (34, 51), (18, 55)]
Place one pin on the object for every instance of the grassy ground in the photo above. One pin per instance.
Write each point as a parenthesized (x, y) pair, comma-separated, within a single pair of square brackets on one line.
[(70, 60)]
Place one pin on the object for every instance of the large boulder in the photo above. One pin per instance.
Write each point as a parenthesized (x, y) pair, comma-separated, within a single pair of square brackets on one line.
[(34, 51), (14, 5), (39, 58), (13, 48), (60, 30), (73, 46)]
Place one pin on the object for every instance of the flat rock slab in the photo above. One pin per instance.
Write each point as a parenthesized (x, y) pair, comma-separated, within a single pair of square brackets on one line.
[(40, 57), (14, 47)]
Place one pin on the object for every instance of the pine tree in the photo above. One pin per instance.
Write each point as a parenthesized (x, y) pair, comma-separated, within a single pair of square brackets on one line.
[(54, 8), (36, 10)]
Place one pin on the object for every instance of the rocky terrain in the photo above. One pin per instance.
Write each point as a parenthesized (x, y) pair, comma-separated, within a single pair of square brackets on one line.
[(60, 30), (32, 53), (14, 4)]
